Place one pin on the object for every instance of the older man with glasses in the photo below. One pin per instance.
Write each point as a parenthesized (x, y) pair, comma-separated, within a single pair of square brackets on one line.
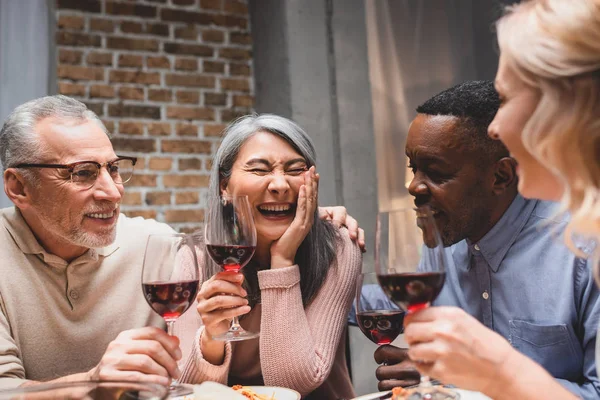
[(71, 306)]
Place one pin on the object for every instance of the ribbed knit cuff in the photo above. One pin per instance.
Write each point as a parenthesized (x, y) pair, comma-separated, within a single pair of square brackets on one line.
[(200, 370), (279, 278)]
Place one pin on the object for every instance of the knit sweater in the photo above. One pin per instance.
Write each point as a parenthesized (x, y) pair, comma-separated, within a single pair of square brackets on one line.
[(301, 348)]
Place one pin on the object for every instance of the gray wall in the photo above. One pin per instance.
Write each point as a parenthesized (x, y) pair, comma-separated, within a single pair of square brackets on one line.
[(311, 65)]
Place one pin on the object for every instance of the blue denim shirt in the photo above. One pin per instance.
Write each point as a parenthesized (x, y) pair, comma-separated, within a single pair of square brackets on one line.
[(521, 281)]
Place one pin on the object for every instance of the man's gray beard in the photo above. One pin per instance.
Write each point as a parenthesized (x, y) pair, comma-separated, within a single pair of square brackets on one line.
[(94, 241)]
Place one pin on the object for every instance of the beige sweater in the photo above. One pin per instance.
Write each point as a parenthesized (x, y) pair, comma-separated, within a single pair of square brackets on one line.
[(298, 348)]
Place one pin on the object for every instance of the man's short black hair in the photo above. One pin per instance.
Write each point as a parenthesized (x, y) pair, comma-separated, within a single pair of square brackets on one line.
[(475, 103)]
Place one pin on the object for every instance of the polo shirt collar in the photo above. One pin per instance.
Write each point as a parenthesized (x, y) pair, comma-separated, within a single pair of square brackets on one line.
[(28, 244)]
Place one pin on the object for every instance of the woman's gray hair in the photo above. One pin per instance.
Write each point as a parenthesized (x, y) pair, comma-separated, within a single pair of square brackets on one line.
[(318, 250), (19, 142)]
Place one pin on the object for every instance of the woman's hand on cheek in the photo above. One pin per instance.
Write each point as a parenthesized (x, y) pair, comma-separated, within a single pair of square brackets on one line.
[(283, 250)]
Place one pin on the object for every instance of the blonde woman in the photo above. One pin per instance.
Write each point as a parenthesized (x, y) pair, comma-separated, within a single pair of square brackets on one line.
[(549, 83)]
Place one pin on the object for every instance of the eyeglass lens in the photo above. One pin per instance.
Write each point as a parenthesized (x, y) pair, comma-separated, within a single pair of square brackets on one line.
[(121, 171)]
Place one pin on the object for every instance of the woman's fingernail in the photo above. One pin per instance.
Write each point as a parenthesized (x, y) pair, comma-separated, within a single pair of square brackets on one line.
[(178, 354), (177, 373)]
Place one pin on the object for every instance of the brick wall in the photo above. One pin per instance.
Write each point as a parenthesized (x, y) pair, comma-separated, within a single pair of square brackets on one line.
[(165, 76)]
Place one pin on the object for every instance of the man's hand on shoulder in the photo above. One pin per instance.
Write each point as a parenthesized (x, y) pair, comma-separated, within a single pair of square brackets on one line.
[(142, 355), (339, 216), (397, 368)]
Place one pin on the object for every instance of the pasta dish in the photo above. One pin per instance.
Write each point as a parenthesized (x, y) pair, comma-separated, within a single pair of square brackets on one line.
[(251, 394)]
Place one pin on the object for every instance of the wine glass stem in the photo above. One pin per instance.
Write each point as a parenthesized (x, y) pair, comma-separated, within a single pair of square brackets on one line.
[(170, 325), (235, 325), (425, 382)]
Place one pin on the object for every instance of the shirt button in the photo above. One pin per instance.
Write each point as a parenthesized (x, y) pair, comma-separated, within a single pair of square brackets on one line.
[(74, 294), (485, 295), (476, 247)]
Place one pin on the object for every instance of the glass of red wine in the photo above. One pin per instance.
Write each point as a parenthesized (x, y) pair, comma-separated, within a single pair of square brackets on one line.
[(410, 264), (378, 318), (170, 280), (230, 242)]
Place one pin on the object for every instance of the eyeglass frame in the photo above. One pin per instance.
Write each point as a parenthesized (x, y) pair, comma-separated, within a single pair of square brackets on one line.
[(71, 167)]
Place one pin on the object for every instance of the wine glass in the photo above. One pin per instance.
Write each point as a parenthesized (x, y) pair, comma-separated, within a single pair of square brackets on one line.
[(410, 265), (170, 280), (378, 318), (231, 242)]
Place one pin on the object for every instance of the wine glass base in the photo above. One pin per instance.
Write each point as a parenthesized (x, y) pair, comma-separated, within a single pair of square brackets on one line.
[(236, 336), (431, 393), (177, 390)]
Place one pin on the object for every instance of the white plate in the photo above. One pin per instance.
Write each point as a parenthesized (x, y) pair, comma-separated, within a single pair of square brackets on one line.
[(464, 395), (280, 393)]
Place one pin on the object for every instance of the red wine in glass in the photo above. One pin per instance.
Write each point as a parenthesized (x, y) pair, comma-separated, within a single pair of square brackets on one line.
[(413, 291), (379, 319), (170, 299), (381, 326), (230, 257), (230, 243)]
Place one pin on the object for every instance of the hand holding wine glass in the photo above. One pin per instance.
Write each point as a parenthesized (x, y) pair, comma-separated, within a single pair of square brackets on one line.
[(170, 279), (221, 298)]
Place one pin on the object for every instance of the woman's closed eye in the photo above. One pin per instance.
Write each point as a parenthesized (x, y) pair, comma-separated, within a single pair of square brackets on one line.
[(259, 170), (296, 171)]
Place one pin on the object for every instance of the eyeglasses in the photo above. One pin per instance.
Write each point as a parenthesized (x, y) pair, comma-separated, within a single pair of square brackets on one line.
[(85, 173)]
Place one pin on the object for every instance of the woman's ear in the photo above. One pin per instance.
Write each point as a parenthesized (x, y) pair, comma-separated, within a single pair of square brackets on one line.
[(223, 187)]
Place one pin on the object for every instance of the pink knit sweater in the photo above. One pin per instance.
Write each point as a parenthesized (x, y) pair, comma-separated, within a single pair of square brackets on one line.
[(299, 348)]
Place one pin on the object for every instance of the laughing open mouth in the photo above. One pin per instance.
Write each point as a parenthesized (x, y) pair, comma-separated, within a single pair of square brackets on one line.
[(277, 210)]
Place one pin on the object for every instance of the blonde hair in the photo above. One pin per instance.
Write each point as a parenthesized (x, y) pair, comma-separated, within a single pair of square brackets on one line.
[(554, 47)]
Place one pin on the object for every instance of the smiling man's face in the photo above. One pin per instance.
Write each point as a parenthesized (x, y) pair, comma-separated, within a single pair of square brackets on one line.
[(450, 177), (67, 218)]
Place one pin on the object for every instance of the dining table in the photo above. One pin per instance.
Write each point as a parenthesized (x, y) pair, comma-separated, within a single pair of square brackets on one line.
[(464, 395)]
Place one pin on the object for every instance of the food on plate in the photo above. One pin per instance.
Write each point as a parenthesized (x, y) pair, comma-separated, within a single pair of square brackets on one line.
[(251, 394)]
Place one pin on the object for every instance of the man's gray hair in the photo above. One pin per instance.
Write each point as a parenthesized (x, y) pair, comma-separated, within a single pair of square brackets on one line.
[(19, 142)]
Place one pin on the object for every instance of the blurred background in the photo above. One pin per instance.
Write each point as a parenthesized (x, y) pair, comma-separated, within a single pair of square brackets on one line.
[(166, 76)]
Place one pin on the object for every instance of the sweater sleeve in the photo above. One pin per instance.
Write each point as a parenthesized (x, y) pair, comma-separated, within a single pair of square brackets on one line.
[(197, 370), (297, 345)]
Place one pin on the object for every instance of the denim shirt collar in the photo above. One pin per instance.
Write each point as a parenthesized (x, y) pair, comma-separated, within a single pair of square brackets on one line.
[(496, 243)]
